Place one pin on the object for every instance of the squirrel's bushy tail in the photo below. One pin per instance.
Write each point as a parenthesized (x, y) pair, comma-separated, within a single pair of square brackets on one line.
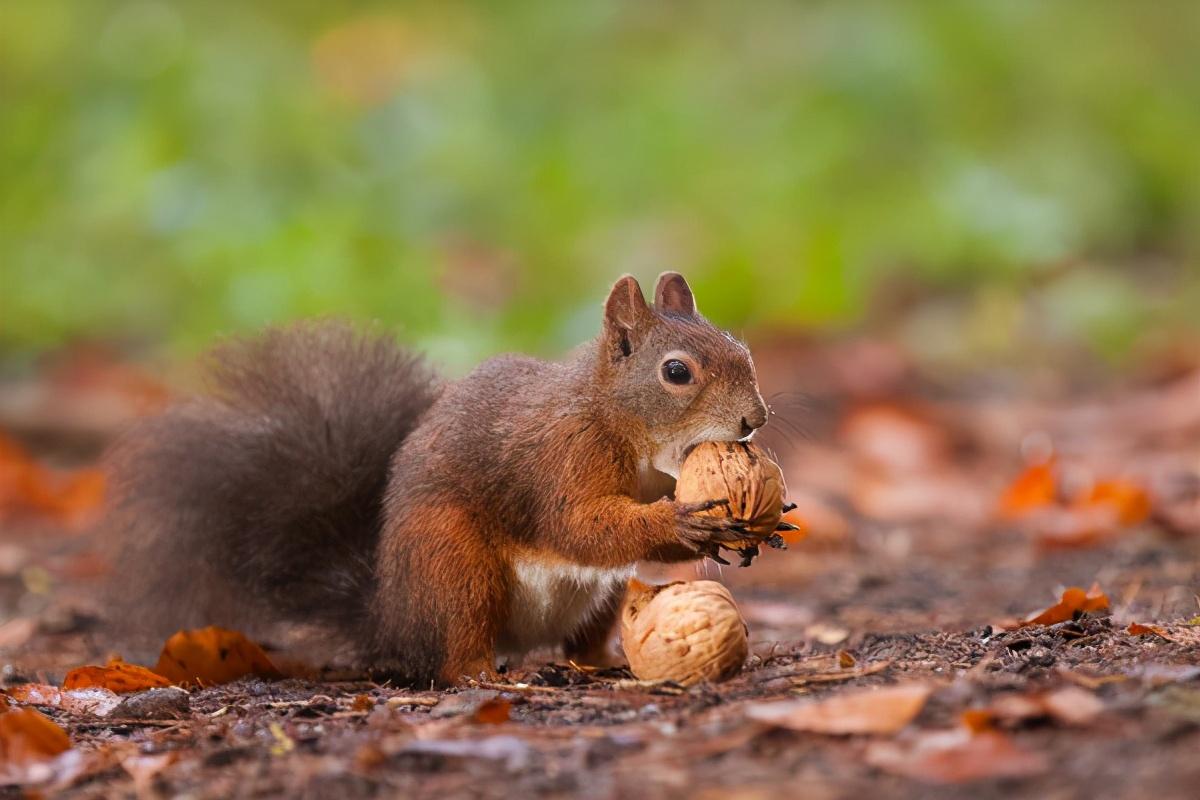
[(261, 501)]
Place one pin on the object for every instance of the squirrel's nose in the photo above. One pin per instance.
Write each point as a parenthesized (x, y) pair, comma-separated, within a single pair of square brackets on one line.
[(749, 426), (755, 420)]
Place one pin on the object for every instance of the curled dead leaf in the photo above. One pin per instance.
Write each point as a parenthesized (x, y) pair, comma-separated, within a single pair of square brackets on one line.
[(212, 655), (1074, 601), (884, 710), (118, 676), (1143, 629)]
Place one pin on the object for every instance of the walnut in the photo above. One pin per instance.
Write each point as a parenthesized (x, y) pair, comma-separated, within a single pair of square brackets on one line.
[(685, 632), (741, 473)]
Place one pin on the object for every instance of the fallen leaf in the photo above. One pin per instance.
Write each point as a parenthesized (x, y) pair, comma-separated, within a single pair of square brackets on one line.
[(894, 438), (17, 631), (956, 756), (93, 701), (796, 536), (492, 712), (845, 659), (1074, 601), (884, 710), (212, 655), (827, 634), (1142, 629), (27, 736), (28, 488), (1068, 706), (144, 768), (1129, 500), (1071, 705), (117, 676), (362, 703), (1036, 487)]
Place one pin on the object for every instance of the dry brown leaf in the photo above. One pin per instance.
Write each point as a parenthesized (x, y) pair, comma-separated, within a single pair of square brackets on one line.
[(884, 710), (144, 768), (1074, 601), (1070, 705), (117, 676), (956, 756), (362, 703), (212, 655)]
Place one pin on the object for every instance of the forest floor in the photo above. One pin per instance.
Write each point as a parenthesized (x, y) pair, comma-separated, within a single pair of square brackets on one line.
[(938, 523)]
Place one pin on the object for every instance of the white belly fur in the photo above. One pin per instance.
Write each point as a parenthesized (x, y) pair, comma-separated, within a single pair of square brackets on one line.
[(551, 599)]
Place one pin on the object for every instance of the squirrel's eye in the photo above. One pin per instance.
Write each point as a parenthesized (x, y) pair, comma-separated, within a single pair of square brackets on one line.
[(676, 372)]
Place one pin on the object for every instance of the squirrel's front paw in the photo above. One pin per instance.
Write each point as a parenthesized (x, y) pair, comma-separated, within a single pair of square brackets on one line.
[(705, 533)]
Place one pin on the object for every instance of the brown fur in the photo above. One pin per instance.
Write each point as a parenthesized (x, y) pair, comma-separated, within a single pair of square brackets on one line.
[(524, 473)]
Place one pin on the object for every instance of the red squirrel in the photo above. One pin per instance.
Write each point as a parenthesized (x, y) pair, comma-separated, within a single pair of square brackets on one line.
[(330, 478)]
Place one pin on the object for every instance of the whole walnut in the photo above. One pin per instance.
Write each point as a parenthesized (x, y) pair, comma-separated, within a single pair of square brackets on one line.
[(741, 473), (685, 632)]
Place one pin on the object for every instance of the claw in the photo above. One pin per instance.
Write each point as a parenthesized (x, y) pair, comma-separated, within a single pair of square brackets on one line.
[(717, 558), (787, 526), (775, 541)]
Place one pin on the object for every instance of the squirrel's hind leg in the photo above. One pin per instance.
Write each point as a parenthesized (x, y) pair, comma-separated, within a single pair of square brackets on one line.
[(441, 593)]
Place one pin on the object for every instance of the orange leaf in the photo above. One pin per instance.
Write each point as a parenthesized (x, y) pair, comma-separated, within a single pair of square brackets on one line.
[(1130, 501), (884, 710), (212, 655), (117, 676), (1036, 487), (492, 712), (802, 527), (1142, 629), (27, 487), (1074, 601), (26, 736)]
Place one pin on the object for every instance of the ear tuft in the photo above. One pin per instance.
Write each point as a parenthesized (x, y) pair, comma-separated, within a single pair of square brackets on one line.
[(672, 295)]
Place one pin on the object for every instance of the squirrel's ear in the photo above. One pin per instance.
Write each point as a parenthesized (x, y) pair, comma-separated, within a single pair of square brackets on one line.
[(626, 314), (673, 295)]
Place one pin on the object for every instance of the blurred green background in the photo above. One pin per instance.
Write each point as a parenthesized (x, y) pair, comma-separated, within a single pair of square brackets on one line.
[(993, 174)]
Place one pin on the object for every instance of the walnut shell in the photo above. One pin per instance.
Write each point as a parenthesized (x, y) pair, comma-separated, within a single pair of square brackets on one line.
[(685, 632), (741, 473)]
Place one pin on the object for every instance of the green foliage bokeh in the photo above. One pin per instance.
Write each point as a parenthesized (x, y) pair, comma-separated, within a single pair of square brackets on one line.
[(477, 173)]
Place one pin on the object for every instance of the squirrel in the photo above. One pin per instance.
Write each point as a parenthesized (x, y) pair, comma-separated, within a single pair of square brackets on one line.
[(330, 478)]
